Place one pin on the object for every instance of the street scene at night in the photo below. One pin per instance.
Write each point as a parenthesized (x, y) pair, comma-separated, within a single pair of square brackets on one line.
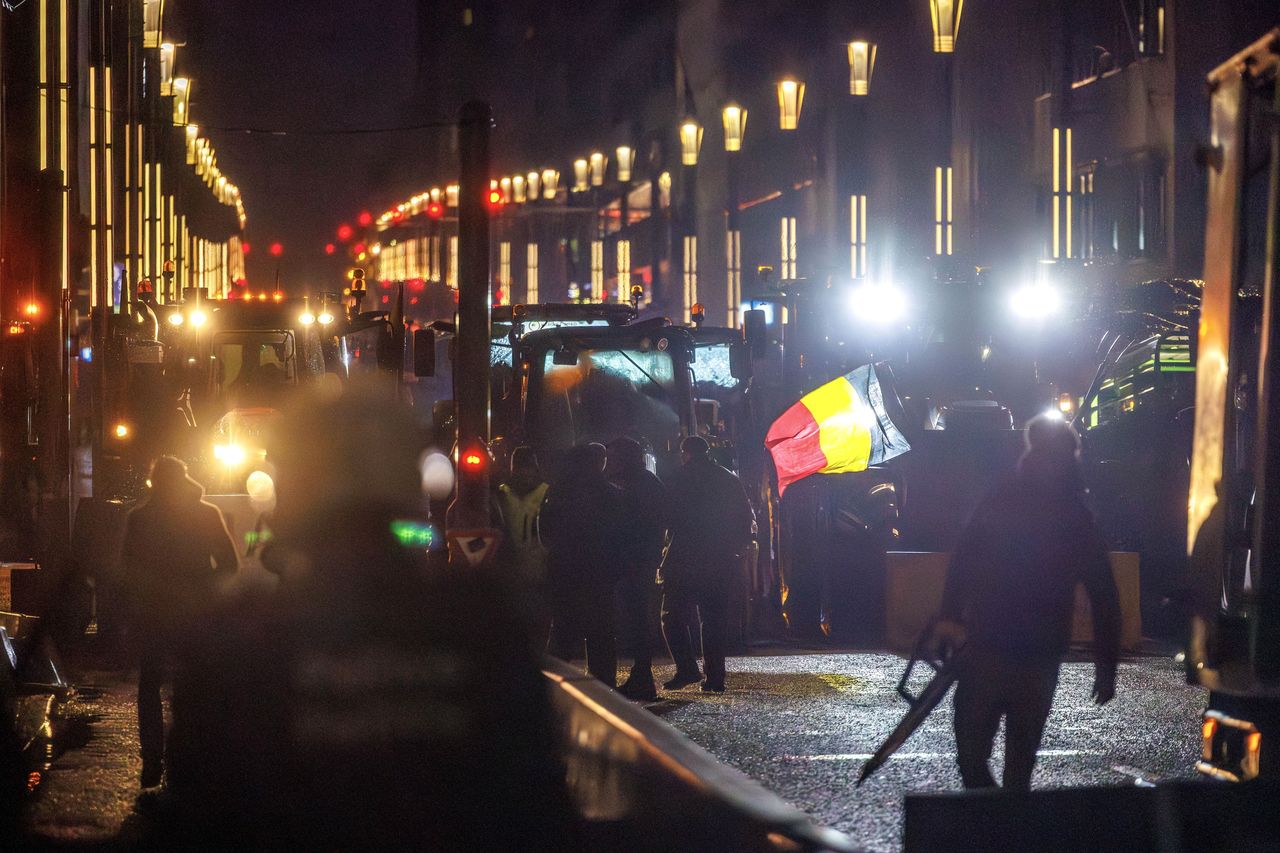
[(687, 425)]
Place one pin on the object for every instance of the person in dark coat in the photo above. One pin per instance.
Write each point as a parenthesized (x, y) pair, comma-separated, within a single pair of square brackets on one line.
[(176, 548), (580, 524), (371, 700), (644, 510), (711, 526), (1008, 602)]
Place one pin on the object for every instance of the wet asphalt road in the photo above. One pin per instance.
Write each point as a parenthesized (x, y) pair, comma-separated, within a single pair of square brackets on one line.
[(804, 724)]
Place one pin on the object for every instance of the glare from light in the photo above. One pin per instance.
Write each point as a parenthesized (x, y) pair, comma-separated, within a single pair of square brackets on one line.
[(175, 319), (198, 317), (231, 455), (325, 318), (122, 430), (262, 491), (306, 318), (1053, 414), (878, 303), (1035, 302), (1066, 404), (437, 475)]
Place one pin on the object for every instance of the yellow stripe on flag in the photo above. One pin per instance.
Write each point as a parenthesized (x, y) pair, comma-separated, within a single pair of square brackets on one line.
[(844, 426)]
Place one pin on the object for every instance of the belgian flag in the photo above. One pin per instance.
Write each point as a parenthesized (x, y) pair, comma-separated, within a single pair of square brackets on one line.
[(844, 425)]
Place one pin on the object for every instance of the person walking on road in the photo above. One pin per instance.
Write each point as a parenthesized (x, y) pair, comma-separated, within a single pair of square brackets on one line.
[(711, 526), (580, 525), (644, 508), (1008, 603), (176, 549)]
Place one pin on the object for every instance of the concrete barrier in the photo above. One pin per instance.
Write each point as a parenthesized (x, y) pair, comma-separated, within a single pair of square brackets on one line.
[(913, 594), (642, 785)]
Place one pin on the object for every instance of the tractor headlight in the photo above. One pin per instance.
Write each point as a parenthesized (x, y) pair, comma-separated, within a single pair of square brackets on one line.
[(878, 303), (1035, 302), (231, 455)]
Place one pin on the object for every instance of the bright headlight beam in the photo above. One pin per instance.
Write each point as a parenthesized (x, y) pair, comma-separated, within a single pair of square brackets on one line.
[(325, 318), (878, 303), (307, 318), (198, 317), (1035, 301), (230, 455)]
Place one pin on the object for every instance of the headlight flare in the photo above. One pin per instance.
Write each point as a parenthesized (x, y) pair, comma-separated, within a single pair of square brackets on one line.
[(231, 455), (1035, 301), (881, 304)]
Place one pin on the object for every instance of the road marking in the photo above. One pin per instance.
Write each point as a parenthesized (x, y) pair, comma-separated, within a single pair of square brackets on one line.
[(866, 756), (1141, 778)]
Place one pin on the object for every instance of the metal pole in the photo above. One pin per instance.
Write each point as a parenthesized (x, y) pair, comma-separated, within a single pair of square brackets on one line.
[(471, 507)]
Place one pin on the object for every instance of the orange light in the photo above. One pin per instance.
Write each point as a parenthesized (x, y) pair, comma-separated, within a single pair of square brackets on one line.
[(278, 296), (262, 297), (17, 329), (248, 296), (31, 309), (33, 780), (1207, 729), (471, 460)]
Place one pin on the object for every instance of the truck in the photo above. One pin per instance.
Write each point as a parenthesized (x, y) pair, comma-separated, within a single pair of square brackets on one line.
[(1233, 519)]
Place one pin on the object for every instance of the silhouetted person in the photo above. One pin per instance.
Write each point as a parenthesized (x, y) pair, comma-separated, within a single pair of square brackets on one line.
[(1009, 599), (580, 525), (710, 520), (644, 511), (371, 701), (519, 501), (175, 548)]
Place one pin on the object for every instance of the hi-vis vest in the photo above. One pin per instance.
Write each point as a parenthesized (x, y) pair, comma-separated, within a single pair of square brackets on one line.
[(521, 515)]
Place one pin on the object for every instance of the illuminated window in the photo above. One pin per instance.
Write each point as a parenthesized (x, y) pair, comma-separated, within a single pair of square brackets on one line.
[(690, 273), (787, 267), (597, 270), (1062, 213), (531, 273), (943, 209), (504, 273), (624, 270), (733, 263), (452, 278), (1151, 27), (857, 236)]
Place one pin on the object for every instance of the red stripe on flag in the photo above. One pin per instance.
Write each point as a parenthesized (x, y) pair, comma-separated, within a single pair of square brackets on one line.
[(793, 442)]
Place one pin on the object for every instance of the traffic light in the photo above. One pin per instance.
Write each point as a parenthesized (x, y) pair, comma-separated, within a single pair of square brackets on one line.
[(435, 210), (494, 200)]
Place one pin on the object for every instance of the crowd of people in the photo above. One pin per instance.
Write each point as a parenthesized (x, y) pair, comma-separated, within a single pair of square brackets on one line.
[(615, 539), (363, 657)]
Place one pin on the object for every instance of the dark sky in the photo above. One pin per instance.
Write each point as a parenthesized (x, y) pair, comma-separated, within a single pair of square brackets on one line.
[(305, 65)]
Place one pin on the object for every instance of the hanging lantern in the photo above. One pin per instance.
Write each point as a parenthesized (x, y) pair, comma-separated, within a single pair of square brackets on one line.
[(690, 142), (550, 181), (790, 101), (862, 63), (946, 24), (598, 164), (626, 162), (581, 175), (735, 125)]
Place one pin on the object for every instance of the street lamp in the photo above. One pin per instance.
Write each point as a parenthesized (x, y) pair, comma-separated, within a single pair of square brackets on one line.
[(550, 181), (790, 101), (534, 182), (690, 142), (626, 162), (517, 187), (152, 22), (946, 24), (735, 123), (598, 164), (167, 54), (862, 63), (626, 156), (181, 96), (193, 138), (581, 175)]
